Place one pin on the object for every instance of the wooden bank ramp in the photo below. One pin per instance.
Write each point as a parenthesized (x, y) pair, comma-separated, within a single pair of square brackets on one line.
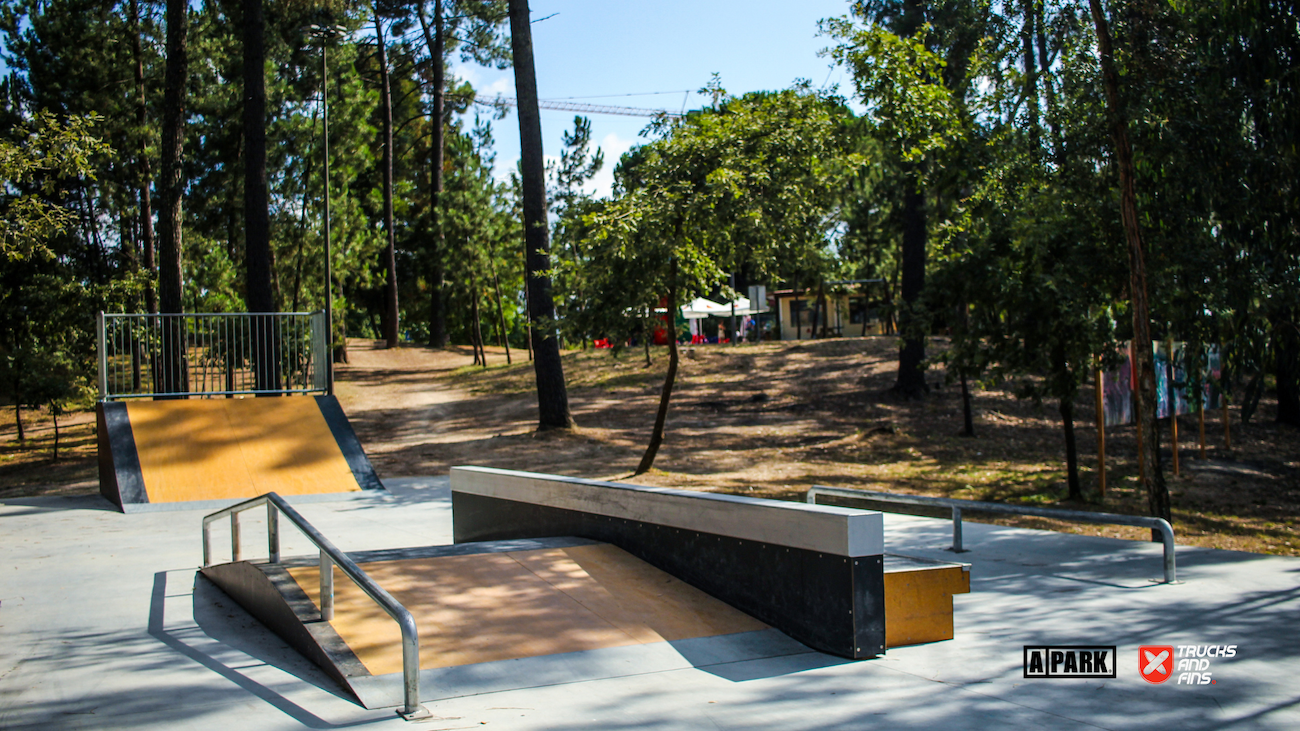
[(500, 615), (185, 453)]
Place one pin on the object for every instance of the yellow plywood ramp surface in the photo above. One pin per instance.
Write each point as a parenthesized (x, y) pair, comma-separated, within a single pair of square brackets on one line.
[(516, 604), (215, 449)]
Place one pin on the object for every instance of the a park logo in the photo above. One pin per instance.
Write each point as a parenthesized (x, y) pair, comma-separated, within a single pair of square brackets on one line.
[(1069, 661), (1156, 662)]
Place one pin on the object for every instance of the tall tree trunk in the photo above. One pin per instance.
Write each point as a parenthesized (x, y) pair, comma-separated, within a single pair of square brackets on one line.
[(1049, 89), (552, 396), (1286, 366), (911, 379), (1062, 373), (391, 326), (967, 417), (796, 316), (646, 336), (436, 43), (823, 307), (661, 416), (171, 375), (259, 295), (1071, 450), (54, 414), (816, 317), (476, 328), (142, 160), (1031, 74), (1151, 474), (528, 310), (257, 220), (502, 339)]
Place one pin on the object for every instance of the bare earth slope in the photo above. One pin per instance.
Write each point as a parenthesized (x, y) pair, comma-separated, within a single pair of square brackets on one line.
[(766, 420)]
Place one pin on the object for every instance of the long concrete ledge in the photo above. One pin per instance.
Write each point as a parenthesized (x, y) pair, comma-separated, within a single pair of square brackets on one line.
[(829, 529), (814, 572)]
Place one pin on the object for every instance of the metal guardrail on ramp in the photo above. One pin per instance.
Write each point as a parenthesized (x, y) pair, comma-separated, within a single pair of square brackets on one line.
[(956, 505), (211, 354)]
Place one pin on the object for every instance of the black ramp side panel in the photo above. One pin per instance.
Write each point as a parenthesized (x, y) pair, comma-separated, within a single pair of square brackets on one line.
[(120, 480), (831, 603), (274, 599), (348, 443)]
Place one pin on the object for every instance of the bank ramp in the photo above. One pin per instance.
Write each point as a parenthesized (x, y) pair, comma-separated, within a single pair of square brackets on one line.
[(208, 452)]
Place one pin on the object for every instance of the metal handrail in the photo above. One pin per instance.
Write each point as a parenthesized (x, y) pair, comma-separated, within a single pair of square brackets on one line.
[(1080, 516), (330, 556)]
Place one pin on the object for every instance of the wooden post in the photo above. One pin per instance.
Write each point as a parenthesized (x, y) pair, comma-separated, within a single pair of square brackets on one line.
[(1137, 405), (1173, 407), (1202, 416), (1101, 433), (1227, 429)]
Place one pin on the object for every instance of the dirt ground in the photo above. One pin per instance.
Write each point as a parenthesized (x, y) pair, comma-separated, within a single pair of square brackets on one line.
[(764, 420)]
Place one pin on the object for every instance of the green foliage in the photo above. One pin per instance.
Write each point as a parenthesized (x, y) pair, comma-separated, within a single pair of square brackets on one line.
[(751, 182), (902, 81), (36, 161)]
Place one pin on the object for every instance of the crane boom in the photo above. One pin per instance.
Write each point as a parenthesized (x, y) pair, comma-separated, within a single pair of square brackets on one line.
[(563, 106)]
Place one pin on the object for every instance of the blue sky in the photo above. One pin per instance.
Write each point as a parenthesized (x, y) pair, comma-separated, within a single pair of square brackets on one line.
[(604, 49)]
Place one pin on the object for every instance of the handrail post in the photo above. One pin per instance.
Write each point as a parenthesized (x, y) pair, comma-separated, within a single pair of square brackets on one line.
[(956, 530), (272, 532), (207, 543), (103, 356), (235, 552), (326, 586), (412, 710), (1167, 535)]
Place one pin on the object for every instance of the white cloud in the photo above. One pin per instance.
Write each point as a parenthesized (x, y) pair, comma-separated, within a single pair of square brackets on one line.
[(602, 185), (487, 82)]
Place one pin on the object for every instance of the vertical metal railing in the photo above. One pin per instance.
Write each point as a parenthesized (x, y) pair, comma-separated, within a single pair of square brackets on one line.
[(330, 558), (211, 354)]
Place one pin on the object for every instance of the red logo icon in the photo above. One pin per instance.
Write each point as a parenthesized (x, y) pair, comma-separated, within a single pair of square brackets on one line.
[(1156, 662)]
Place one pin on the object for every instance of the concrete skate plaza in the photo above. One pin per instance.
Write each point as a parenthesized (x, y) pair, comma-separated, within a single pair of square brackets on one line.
[(106, 625)]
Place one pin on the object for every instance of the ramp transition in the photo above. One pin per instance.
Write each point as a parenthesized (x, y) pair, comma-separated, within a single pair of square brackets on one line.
[(499, 614), (156, 454)]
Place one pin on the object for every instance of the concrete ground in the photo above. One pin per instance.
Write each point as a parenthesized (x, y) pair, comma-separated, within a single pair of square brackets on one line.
[(104, 625)]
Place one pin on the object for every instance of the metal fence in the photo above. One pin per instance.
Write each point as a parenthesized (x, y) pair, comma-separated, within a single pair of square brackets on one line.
[(217, 354)]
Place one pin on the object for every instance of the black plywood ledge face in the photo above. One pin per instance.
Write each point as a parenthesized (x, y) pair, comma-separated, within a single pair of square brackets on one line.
[(827, 599)]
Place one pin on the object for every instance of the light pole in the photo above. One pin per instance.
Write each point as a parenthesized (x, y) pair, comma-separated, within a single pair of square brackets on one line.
[(324, 34)]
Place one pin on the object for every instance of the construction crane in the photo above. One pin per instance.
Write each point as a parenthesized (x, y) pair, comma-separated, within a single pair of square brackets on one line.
[(562, 106)]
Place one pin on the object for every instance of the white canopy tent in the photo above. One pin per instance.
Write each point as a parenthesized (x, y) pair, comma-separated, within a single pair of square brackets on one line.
[(700, 308)]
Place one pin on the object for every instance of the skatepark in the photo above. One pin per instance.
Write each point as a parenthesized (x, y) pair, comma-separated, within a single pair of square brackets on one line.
[(245, 567), (110, 624)]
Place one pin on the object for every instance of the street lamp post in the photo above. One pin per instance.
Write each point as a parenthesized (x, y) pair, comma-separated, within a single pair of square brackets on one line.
[(325, 33)]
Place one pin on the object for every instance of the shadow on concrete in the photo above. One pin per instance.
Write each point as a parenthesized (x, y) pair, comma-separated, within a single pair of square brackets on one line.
[(269, 648), (58, 502)]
